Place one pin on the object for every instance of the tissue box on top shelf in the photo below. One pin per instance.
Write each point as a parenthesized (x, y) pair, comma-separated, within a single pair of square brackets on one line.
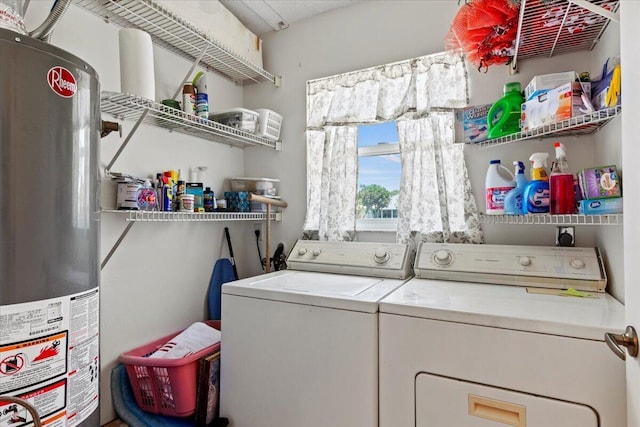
[(600, 206), (471, 123), (545, 82), (237, 201), (599, 182), (553, 106)]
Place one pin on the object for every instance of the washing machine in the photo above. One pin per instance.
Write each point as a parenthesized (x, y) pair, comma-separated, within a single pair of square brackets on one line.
[(485, 335), (300, 346)]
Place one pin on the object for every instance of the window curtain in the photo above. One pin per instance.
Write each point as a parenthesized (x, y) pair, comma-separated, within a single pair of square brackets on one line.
[(416, 92)]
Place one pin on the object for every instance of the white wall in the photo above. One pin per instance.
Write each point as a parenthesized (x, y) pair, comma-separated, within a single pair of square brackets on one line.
[(379, 32), (156, 282)]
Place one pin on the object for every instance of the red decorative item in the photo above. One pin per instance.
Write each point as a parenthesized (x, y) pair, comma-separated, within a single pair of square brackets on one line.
[(485, 30)]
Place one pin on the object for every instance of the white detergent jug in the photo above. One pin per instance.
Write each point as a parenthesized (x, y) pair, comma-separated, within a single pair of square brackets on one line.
[(498, 182)]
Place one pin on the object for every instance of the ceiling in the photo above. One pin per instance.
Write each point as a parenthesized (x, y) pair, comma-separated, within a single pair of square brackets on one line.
[(263, 16)]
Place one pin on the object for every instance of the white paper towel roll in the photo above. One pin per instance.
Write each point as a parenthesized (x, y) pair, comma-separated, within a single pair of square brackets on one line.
[(136, 63)]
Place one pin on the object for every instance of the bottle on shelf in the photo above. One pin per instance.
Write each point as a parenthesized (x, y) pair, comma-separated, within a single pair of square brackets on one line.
[(513, 199), (498, 182), (561, 184), (504, 116), (536, 193)]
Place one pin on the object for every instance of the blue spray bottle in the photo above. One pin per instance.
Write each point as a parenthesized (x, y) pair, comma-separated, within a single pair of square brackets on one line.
[(513, 199), (536, 194)]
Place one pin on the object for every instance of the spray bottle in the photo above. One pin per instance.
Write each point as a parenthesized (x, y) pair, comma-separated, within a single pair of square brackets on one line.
[(536, 193), (561, 184), (513, 199), (202, 95)]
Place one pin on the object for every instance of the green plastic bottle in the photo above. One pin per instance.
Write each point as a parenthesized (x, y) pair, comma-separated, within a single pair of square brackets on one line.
[(504, 116)]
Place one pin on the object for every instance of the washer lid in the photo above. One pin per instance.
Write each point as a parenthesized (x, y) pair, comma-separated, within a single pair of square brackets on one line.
[(355, 293), (508, 307)]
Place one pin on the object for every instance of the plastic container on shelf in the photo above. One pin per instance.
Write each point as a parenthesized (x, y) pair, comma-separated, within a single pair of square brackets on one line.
[(498, 182), (165, 386), (269, 124)]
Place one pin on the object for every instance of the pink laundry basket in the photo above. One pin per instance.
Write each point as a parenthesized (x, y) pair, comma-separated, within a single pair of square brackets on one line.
[(165, 386)]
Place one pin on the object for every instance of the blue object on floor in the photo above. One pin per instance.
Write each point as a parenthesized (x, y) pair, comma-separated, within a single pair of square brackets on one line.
[(124, 402), (222, 273)]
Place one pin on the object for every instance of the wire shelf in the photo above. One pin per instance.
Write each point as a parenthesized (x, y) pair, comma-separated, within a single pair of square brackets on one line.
[(130, 107), (555, 27), (157, 216), (579, 125), (542, 219), (179, 36)]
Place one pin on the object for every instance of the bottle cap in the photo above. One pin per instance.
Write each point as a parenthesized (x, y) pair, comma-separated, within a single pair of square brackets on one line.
[(512, 87), (188, 88), (207, 189), (493, 162)]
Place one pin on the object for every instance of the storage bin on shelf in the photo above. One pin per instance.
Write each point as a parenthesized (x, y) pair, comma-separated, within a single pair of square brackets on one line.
[(269, 124), (165, 386)]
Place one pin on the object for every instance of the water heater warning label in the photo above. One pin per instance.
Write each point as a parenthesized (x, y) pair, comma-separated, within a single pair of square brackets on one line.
[(49, 353)]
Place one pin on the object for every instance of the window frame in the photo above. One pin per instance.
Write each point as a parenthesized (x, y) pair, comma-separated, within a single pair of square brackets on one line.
[(378, 224)]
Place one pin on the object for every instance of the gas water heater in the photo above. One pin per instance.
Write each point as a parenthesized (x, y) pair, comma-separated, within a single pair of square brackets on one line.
[(49, 233)]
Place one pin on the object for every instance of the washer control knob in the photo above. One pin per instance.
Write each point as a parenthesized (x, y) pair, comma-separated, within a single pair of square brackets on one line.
[(524, 261), (442, 257), (302, 251), (381, 256), (577, 263), (316, 252)]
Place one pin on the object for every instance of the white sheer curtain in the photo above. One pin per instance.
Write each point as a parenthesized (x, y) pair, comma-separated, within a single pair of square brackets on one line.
[(412, 92)]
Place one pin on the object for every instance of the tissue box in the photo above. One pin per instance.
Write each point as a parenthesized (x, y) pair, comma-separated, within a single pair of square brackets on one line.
[(553, 106), (600, 206), (237, 201), (599, 182), (545, 82), (471, 123)]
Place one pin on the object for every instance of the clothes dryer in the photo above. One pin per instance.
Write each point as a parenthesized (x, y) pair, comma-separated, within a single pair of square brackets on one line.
[(469, 352), (300, 346)]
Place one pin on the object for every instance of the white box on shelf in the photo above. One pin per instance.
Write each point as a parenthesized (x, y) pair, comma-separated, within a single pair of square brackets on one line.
[(554, 106), (545, 82), (262, 186)]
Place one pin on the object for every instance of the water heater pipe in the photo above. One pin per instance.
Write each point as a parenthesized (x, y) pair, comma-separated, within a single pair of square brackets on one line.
[(44, 31)]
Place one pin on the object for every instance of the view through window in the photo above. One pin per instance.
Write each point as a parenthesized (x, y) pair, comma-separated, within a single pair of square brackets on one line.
[(379, 172)]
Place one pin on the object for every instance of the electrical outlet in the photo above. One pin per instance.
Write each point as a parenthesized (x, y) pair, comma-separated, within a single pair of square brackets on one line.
[(259, 227), (565, 236)]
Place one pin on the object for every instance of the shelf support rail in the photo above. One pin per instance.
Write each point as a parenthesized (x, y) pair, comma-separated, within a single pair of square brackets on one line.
[(116, 244), (193, 67), (598, 10), (127, 139), (268, 202)]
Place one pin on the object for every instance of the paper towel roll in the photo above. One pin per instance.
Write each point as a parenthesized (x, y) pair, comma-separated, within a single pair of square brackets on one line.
[(136, 63)]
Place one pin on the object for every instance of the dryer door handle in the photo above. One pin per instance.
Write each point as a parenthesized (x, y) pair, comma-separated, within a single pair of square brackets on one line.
[(629, 340)]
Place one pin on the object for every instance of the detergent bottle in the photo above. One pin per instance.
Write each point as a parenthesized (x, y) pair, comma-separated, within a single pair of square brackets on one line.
[(498, 182), (504, 116), (536, 193), (561, 187), (513, 199)]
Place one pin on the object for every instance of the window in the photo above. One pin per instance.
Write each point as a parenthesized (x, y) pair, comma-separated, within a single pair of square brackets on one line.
[(379, 172)]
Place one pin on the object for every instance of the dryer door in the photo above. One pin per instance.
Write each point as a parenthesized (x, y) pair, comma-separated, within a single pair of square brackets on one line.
[(446, 402)]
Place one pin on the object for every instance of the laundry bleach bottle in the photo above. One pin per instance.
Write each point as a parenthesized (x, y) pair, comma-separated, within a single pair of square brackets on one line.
[(561, 186), (498, 182), (504, 116), (536, 193), (513, 199)]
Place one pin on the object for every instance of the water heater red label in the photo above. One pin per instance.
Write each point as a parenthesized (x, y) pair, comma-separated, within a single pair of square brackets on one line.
[(62, 82)]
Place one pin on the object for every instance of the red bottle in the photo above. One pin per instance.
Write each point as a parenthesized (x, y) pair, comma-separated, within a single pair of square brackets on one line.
[(562, 196)]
